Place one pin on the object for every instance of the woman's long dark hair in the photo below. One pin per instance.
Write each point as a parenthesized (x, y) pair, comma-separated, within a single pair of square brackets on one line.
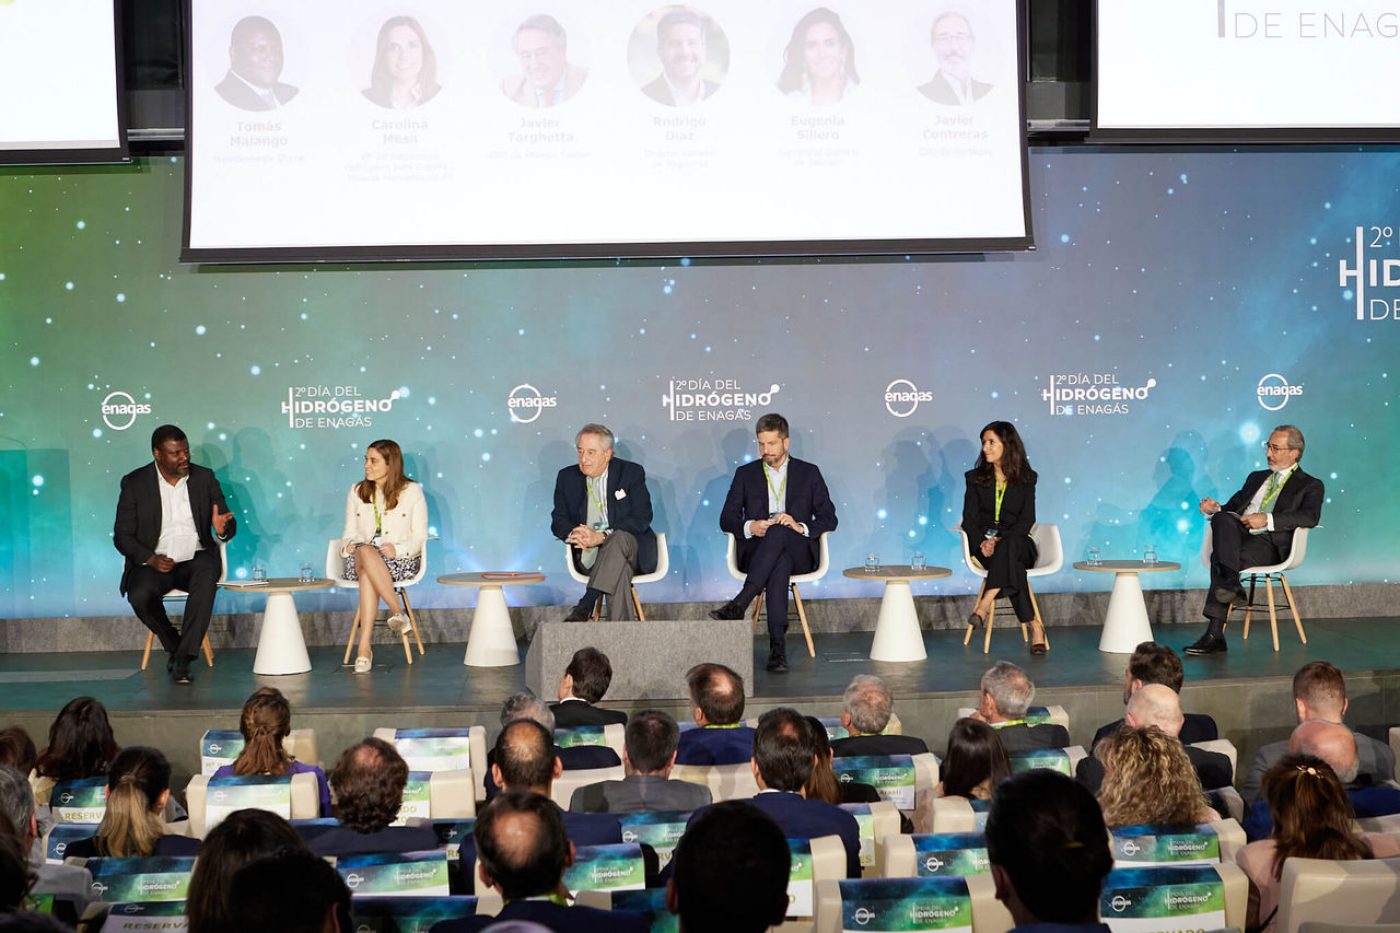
[(245, 836), (975, 754), (266, 722), (1311, 812), (794, 63), (1014, 465), (81, 743), (822, 784)]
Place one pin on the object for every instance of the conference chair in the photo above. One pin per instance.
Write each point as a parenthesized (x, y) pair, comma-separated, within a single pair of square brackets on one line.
[(562, 791), (1130, 850), (219, 747), (957, 815), (877, 821), (1366, 891), (1269, 573), (182, 595), (726, 782), (1223, 747), (335, 570), (929, 855), (1050, 557), (612, 735), (823, 565), (406, 912), (303, 800), (828, 859), (663, 567), (1321, 926), (448, 749), (1064, 760), (988, 914), (1055, 715), (1126, 890), (925, 768)]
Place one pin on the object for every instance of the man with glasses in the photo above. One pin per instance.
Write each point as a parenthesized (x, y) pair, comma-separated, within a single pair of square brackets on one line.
[(953, 44), (1256, 528)]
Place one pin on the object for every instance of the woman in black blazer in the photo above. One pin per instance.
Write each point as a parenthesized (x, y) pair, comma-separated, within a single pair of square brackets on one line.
[(998, 512)]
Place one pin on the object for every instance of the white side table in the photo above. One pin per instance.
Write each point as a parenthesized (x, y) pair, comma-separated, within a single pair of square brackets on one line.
[(492, 639), (897, 633), (1125, 626)]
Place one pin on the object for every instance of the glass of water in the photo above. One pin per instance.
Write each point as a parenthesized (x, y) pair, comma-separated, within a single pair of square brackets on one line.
[(916, 562), (1149, 555), (872, 563), (259, 571), (306, 576), (1094, 560)]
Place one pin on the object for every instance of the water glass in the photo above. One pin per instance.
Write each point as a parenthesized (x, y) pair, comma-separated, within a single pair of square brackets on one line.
[(306, 576), (916, 562), (872, 563), (259, 571), (1094, 560), (1149, 555)]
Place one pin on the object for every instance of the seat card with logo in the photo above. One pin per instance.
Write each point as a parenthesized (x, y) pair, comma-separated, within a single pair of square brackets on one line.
[(1056, 759), (606, 868), (434, 749), (219, 747), (800, 879), (579, 735), (892, 776), (404, 874), (139, 879), (1145, 900), (417, 798), (865, 823), (407, 914), (652, 903), (950, 855), (1141, 846), (161, 916), (247, 792), (83, 800), (660, 829), (895, 905)]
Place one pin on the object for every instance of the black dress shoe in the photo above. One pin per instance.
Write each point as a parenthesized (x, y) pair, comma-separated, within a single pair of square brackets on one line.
[(974, 620), (777, 664), (182, 676), (730, 611), (1207, 644), (579, 614)]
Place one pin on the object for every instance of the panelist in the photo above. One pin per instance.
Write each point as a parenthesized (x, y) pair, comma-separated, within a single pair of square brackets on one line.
[(170, 515), (680, 46), (547, 78), (386, 526), (1255, 528), (998, 512), (603, 510), (255, 64), (777, 509), (819, 63), (953, 45), (405, 68)]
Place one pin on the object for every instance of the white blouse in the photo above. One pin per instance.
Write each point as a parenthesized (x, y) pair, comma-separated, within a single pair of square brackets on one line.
[(405, 526)]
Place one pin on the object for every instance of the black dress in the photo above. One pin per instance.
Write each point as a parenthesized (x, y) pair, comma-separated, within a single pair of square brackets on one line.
[(1015, 551)]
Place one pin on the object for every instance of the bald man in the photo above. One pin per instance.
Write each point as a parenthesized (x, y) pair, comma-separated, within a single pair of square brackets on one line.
[(525, 759), (1158, 705)]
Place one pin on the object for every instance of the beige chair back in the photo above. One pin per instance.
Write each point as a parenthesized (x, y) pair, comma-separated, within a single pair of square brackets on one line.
[(1338, 892), (306, 801), (726, 782), (1223, 747), (564, 786), (988, 914)]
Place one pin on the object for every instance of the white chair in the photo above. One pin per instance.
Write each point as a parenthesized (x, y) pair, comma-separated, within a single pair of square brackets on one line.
[(1366, 891), (989, 915), (181, 594), (663, 567), (1269, 572), (562, 790), (1050, 557), (305, 797), (726, 782), (1222, 747), (335, 570), (823, 564)]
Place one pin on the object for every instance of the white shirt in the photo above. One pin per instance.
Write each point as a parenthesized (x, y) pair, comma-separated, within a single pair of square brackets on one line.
[(179, 538), (1257, 500), (776, 478), (267, 94), (684, 97), (597, 485)]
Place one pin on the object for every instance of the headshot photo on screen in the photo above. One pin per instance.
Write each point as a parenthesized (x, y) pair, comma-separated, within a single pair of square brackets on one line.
[(547, 77), (690, 50), (954, 45), (819, 63), (255, 65), (404, 74)]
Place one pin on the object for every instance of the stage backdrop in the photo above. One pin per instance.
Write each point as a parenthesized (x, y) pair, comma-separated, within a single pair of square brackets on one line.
[(1180, 304)]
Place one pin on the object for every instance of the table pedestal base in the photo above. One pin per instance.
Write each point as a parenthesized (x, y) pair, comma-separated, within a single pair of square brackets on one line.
[(897, 634), (1125, 626), (492, 639), (281, 645)]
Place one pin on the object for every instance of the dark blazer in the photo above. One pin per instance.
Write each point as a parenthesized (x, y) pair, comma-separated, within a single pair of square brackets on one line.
[(1021, 737), (800, 818), (574, 758), (137, 529), (979, 507), (1212, 768), (639, 792), (631, 513), (1365, 802), (552, 917), (1375, 764), (659, 91), (806, 499), (940, 91), (571, 713), (592, 829), (165, 845), (1298, 505), (239, 94), (1198, 727), (855, 745), (342, 840), (715, 746)]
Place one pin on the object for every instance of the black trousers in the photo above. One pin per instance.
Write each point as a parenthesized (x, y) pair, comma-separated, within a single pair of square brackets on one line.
[(1006, 571), (1232, 549), (198, 576), (772, 560)]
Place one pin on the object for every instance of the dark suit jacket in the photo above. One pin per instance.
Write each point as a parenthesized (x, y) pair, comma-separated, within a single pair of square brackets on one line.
[(342, 840), (238, 93), (800, 818), (592, 829), (553, 917), (1298, 505), (806, 499), (1212, 768), (940, 91), (1365, 801), (979, 508), (631, 513), (1021, 737), (855, 745), (1375, 760), (571, 713), (1198, 727), (574, 758), (715, 746), (659, 91), (137, 529), (639, 792), (166, 845)]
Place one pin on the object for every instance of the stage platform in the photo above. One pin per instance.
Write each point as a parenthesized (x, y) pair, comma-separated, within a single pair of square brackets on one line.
[(1247, 690)]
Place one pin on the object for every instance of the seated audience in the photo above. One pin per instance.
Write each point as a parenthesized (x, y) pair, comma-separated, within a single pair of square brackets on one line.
[(81, 745), (822, 785), (291, 891), (717, 701), (526, 759), (525, 705), (1158, 705), (975, 762), (243, 836), (1149, 780), (138, 786), (730, 871), (1311, 818), (522, 851), (585, 681), (1006, 693), (1151, 663), (66, 882), (369, 779), (15, 874), (265, 724), (866, 708), (647, 757), (1320, 694), (17, 750), (1049, 854)]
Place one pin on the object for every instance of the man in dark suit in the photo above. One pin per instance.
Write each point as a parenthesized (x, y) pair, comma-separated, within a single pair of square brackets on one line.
[(730, 871), (1158, 705), (866, 708), (1256, 528), (953, 45), (255, 64), (368, 781), (603, 509), (1005, 695), (648, 757), (1151, 663), (522, 850), (717, 705), (525, 705), (680, 45), (777, 510), (585, 680), (525, 760), (171, 514)]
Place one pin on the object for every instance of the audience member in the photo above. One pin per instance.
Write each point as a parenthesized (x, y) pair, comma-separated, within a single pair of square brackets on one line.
[(866, 708), (28, 921), (525, 759), (1311, 818), (823, 785), (717, 701), (265, 724), (67, 882), (243, 836), (522, 851), (525, 705), (1006, 694), (1158, 705), (369, 780), (15, 874), (81, 745), (1048, 849), (975, 763), (1151, 663), (138, 786), (291, 891), (648, 756), (730, 871), (1149, 780), (17, 750), (1320, 694), (584, 683)]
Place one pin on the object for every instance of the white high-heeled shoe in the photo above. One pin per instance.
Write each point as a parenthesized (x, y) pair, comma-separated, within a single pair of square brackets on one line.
[(363, 664), (398, 623)]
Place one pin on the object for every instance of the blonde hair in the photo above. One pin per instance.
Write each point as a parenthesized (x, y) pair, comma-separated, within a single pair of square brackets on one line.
[(135, 783), (1148, 780)]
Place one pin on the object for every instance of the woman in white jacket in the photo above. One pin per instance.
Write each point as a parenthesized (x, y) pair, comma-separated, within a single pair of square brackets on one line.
[(386, 524)]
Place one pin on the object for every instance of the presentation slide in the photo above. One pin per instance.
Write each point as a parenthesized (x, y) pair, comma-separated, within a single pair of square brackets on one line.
[(58, 65), (613, 127), (1218, 65)]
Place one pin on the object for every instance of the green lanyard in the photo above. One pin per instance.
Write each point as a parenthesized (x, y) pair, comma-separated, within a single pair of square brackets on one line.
[(593, 494), (777, 493), (378, 521), (1271, 494), (1001, 492), (1009, 722), (727, 725)]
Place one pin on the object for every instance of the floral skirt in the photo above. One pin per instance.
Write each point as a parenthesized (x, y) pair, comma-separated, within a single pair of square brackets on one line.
[(400, 568)]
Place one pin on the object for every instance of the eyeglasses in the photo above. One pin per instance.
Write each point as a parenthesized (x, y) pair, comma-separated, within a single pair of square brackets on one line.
[(1276, 450)]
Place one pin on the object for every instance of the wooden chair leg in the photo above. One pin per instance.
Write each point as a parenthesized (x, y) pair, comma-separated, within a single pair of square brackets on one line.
[(350, 642), (1035, 607), (598, 608), (1273, 612), (757, 607), (637, 603), (412, 619), (967, 636), (1293, 607), (1248, 609), (146, 655), (802, 615), (208, 652), (991, 617)]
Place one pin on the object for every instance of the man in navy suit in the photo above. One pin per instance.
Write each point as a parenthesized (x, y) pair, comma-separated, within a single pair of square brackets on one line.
[(777, 509), (170, 517), (717, 705), (525, 760), (602, 509), (1255, 528), (585, 680), (1004, 695), (730, 871), (866, 709)]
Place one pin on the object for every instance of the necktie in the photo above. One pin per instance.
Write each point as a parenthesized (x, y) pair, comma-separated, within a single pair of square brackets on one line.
[(1266, 505)]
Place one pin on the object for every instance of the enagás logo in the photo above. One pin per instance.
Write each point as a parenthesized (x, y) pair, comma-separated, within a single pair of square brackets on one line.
[(902, 398), (1274, 391), (120, 411), (526, 403)]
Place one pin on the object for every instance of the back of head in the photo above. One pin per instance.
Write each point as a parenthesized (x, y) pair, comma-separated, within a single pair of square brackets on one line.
[(266, 721), (975, 754), (821, 783), (521, 844), (81, 743), (1320, 686), (1311, 812), (1148, 779), (1047, 833), (1332, 742), (525, 705), (244, 836), (290, 891), (718, 692), (591, 672), (651, 739), (1156, 705), (730, 870), (16, 798), (869, 703), (136, 781), (16, 877), (525, 755), (1152, 663), (782, 749), (17, 749), (368, 780), (1010, 688)]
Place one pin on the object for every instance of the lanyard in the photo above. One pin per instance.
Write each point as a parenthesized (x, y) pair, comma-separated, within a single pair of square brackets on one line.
[(592, 494), (1009, 722), (727, 725), (1001, 491), (1277, 483), (378, 519), (777, 493)]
